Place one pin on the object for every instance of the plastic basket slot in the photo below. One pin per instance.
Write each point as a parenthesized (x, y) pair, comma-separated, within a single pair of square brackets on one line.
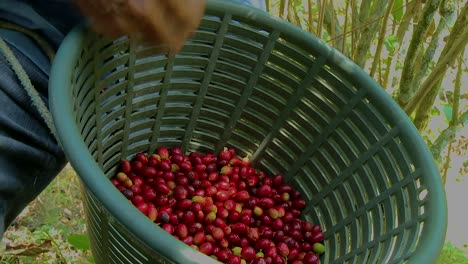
[(108, 45), (352, 137), (182, 62), (397, 156), (284, 61), (118, 254), (313, 113), (111, 131), (304, 127), (335, 156), (111, 104), (364, 129), (225, 80), (117, 76), (325, 108), (161, 106), (269, 97), (277, 161), (226, 68), (371, 130), (336, 77), (82, 78), (375, 117), (256, 104), (210, 23), (113, 63), (243, 138), (111, 156), (373, 215), (321, 174), (221, 98), (329, 165), (145, 104), (362, 162), (281, 76), (88, 130), (234, 58), (272, 80), (137, 145), (300, 55), (90, 141), (294, 135), (150, 66), (401, 238), (353, 240), (307, 182), (194, 48), (213, 114), (200, 146), (148, 52), (206, 37), (122, 243), (205, 135), (86, 111), (287, 145), (374, 201), (242, 45), (210, 125), (242, 29)]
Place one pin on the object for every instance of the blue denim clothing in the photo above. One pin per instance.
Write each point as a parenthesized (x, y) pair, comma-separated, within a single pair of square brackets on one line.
[(30, 158)]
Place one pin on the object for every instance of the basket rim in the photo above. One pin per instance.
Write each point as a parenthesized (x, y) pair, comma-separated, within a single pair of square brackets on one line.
[(435, 226)]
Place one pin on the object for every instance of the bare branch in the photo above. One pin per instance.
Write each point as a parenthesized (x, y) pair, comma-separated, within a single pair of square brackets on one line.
[(311, 16), (383, 29), (447, 135), (456, 43), (448, 14), (368, 33), (322, 4), (345, 26), (412, 9), (406, 91)]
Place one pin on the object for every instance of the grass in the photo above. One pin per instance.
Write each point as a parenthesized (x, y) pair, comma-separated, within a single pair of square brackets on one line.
[(52, 229)]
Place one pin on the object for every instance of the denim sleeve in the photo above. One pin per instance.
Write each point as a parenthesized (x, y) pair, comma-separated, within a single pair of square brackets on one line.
[(30, 157)]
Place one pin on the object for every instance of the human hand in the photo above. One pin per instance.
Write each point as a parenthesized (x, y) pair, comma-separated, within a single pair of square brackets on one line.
[(164, 22)]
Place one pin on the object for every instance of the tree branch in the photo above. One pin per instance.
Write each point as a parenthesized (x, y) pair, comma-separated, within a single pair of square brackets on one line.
[(448, 14), (406, 91), (345, 26), (322, 4), (293, 17), (354, 24), (368, 33), (311, 16), (457, 41), (411, 10), (455, 124), (383, 29), (447, 135), (282, 9)]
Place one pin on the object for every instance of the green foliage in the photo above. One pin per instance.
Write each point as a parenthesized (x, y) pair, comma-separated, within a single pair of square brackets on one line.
[(391, 43), (397, 10), (79, 241), (452, 255)]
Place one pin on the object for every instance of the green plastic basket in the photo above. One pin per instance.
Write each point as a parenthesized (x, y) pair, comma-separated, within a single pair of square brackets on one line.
[(270, 90)]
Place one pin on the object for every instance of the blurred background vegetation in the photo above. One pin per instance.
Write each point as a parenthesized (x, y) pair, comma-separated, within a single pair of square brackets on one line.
[(415, 49)]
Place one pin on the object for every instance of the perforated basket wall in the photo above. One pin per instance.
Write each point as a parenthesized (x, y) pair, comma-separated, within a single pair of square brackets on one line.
[(273, 92)]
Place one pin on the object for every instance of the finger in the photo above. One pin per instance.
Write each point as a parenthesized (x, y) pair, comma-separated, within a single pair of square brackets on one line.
[(188, 12), (155, 25), (101, 23)]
